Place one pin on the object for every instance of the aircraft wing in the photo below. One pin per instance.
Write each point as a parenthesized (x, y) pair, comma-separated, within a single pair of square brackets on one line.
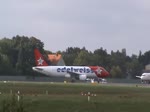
[(77, 76), (73, 74)]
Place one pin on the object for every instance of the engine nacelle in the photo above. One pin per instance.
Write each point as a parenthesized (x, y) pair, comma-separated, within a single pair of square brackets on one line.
[(67, 75), (82, 77)]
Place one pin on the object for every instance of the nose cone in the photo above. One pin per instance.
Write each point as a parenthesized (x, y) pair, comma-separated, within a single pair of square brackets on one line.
[(106, 74)]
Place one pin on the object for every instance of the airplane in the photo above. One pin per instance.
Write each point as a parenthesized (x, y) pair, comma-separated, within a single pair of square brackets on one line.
[(145, 78), (73, 72)]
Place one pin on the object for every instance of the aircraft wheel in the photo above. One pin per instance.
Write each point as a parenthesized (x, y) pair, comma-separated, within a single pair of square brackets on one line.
[(72, 80)]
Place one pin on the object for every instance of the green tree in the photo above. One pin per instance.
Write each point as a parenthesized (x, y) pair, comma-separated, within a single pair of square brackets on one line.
[(70, 55), (19, 54), (101, 57), (83, 58), (134, 67), (145, 58), (116, 72)]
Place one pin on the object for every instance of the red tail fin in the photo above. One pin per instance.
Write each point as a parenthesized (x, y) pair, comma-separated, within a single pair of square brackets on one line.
[(39, 58)]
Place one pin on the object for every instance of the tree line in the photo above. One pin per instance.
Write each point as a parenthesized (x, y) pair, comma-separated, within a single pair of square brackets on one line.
[(17, 58)]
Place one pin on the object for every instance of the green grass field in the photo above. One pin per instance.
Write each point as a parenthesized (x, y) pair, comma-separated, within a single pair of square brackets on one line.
[(51, 97)]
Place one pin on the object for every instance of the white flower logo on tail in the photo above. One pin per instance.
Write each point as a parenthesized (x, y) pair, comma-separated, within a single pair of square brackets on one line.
[(40, 61)]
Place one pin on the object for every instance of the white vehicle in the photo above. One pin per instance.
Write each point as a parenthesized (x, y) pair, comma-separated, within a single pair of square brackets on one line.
[(145, 78), (73, 72)]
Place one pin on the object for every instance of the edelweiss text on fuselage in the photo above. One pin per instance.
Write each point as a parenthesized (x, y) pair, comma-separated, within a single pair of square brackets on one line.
[(72, 69)]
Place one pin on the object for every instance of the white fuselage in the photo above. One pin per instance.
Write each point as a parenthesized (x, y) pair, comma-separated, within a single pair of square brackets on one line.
[(65, 71), (145, 77)]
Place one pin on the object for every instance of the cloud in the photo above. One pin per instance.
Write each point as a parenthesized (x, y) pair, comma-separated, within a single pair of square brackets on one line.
[(112, 24)]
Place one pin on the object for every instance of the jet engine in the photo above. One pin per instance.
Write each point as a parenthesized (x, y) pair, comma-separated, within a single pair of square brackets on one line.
[(82, 77), (67, 75)]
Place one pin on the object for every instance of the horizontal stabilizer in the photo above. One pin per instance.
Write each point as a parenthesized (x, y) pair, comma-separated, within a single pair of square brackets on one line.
[(36, 68)]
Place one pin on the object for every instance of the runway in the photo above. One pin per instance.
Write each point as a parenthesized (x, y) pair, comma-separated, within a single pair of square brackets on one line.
[(49, 80)]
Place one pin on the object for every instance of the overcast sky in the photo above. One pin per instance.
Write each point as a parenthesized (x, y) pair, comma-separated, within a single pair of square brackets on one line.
[(111, 24)]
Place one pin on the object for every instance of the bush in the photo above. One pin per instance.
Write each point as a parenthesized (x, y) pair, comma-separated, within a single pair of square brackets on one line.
[(12, 105)]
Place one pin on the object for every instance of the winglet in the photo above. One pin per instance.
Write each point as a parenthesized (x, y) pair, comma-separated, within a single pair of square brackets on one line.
[(39, 58)]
